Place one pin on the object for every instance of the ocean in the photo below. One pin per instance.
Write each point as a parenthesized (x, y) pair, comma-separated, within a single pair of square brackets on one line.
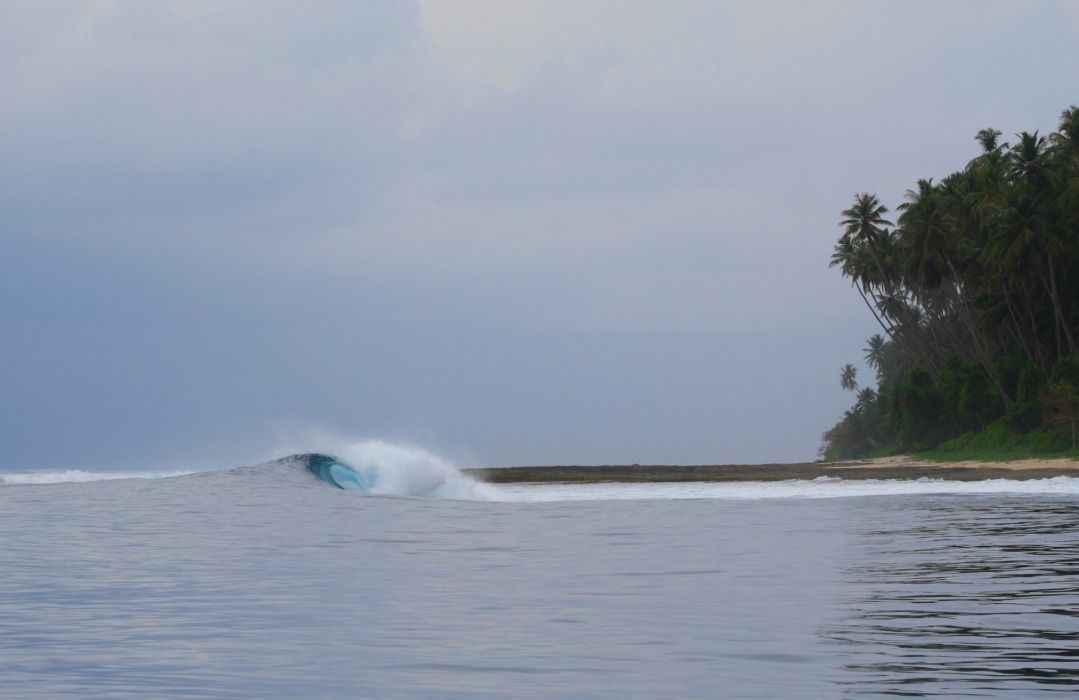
[(414, 581)]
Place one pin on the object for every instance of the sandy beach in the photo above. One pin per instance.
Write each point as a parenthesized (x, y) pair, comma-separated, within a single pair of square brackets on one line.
[(900, 467)]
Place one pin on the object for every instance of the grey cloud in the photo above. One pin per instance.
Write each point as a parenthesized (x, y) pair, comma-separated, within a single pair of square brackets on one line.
[(539, 231)]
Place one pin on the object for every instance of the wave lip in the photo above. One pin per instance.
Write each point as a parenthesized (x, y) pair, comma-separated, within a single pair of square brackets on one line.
[(381, 468)]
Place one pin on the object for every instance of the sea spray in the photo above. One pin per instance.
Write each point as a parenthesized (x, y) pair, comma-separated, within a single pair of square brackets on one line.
[(399, 470)]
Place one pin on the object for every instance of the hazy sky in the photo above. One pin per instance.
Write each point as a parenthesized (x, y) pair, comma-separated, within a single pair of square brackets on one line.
[(524, 232)]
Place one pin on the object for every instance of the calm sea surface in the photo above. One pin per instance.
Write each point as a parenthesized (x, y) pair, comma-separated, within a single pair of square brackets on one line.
[(264, 582)]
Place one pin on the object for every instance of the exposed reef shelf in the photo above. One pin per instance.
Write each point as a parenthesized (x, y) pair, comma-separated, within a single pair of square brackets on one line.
[(868, 469)]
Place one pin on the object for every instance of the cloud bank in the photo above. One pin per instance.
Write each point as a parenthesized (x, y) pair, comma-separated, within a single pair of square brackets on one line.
[(534, 232)]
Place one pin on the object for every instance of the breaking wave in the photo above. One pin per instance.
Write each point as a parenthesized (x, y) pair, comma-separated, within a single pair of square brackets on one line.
[(375, 467), (392, 470), (386, 469)]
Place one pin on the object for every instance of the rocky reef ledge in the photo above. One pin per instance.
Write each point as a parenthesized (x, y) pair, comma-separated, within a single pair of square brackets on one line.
[(883, 468)]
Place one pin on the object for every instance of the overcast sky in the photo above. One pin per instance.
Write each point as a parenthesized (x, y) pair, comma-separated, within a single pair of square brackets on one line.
[(526, 232)]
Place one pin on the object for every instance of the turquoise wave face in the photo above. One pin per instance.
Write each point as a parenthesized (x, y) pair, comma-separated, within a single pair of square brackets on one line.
[(340, 475)]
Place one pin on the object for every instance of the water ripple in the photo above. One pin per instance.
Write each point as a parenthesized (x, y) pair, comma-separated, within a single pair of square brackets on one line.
[(976, 600)]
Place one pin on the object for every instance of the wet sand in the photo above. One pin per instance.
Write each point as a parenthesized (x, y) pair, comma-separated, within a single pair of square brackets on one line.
[(882, 468)]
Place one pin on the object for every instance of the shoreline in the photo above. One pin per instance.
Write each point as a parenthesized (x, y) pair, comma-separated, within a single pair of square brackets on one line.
[(902, 467)]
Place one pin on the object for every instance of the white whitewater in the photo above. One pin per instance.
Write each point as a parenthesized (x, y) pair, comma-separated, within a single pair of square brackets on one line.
[(409, 471), (824, 487), (412, 471), (74, 476)]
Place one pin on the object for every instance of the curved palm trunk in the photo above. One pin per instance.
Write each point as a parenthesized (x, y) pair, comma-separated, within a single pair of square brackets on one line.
[(1017, 326), (981, 351), (1043, 359), (873, 311), (1062, 323), (980, 347)]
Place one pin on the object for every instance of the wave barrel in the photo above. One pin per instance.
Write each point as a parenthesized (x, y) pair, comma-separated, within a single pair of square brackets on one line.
[(342, 476)]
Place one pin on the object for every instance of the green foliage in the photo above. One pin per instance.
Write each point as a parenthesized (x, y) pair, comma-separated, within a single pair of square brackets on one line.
[(968, 394), (1065, 371), (1009, 366), (854, 437), (1025, 414), (979, 402), (998, 443), (917, 413), (1059, 400), (976, 291)]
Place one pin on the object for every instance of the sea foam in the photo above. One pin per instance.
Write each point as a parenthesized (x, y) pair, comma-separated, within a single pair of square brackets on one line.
[(411, 471), (69, 476)]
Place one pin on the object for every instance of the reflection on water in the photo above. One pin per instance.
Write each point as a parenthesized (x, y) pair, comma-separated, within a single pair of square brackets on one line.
[(267, 583), (978, 597)]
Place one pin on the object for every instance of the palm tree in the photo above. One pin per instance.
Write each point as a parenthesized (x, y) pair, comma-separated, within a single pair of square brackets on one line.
[(925, 234), (1066, 183), (847, 378), (864, 223), (988, 138), (930, 236), (1066, 138), (1029, 246), (866, 230), (983, 266), (866, 397), (985, 203), (865, 219), (874, 353), (1029, 162), (854, 262)]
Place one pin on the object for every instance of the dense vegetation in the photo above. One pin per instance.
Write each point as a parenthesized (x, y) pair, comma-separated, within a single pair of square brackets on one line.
[(975, 287)]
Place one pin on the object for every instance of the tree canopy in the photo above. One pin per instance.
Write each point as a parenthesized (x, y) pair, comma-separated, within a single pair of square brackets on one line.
[(975, 287)]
